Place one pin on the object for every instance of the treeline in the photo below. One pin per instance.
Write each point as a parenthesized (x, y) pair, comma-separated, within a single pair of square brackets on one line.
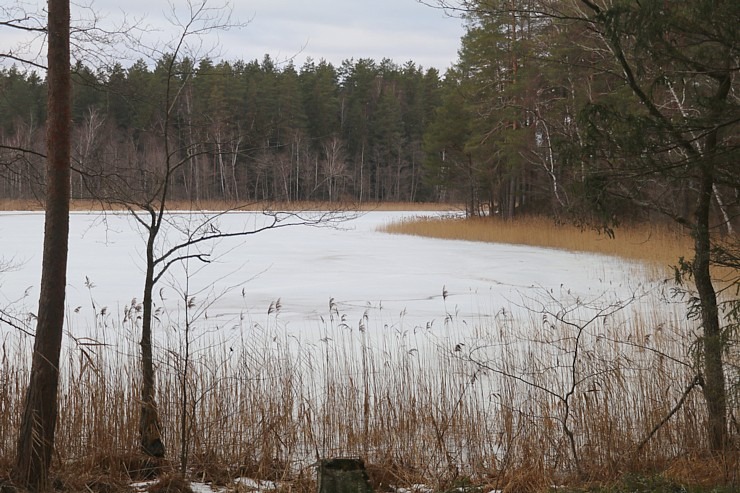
[(249, 130), (549, 109)]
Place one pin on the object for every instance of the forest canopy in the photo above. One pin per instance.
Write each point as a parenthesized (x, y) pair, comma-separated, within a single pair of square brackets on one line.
[(257, 130)]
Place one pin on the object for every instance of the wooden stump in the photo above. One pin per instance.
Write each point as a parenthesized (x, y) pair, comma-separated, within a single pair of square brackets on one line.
[(343, 475)]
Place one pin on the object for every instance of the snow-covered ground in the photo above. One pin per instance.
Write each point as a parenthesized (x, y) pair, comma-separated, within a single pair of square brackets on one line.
[(349, 270)]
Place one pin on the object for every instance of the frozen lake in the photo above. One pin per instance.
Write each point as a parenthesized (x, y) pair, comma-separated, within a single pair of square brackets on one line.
[(374, 332), (391, 280)]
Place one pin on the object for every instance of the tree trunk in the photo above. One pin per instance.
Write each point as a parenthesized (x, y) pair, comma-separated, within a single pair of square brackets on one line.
[(36, 437), (714, 377), (149, 428), (714, 387)]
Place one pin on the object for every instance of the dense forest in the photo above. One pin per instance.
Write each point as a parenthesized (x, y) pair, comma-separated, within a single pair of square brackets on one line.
[(538, 115), (252, 131)]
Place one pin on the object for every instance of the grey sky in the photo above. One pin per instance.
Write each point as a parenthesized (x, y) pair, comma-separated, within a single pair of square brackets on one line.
[(334, 30)]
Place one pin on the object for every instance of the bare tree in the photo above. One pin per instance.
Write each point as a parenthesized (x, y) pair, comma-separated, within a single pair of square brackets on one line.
[(145, 185), (16, 18), (334, 167)]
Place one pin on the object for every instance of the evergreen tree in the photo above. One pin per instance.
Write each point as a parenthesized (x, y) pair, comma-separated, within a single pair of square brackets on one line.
[(359, 99), (319, 85), (450, 164), (22, 99), (386, 144), (677, 66)]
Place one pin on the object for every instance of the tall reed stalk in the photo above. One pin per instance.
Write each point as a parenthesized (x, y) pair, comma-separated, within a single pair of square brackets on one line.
[(564, 390)]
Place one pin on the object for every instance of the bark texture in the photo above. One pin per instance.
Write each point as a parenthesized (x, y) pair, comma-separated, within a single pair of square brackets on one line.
[(149, 427), (36, 438)]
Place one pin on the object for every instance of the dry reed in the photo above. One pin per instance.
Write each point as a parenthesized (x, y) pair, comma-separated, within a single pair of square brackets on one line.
[(560, 393), (656, 244)]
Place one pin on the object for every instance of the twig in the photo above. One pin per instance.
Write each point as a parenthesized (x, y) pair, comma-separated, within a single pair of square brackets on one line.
[(696, 381)]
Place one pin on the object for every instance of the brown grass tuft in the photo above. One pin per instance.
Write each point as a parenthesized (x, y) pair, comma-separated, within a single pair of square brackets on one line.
[(132, 466), (208, 468), (171, 483), (705, 471), (527, 480)]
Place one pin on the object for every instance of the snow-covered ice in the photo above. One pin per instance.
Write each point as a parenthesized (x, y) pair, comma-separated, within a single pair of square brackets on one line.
[(397, 280)]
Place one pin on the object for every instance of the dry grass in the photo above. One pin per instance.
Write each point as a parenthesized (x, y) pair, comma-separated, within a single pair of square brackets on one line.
[(20, 205), (171, 483), (489, 401), (656, 244)]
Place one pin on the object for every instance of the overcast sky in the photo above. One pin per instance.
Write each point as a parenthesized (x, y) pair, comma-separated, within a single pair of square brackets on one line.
[(333, 30)]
